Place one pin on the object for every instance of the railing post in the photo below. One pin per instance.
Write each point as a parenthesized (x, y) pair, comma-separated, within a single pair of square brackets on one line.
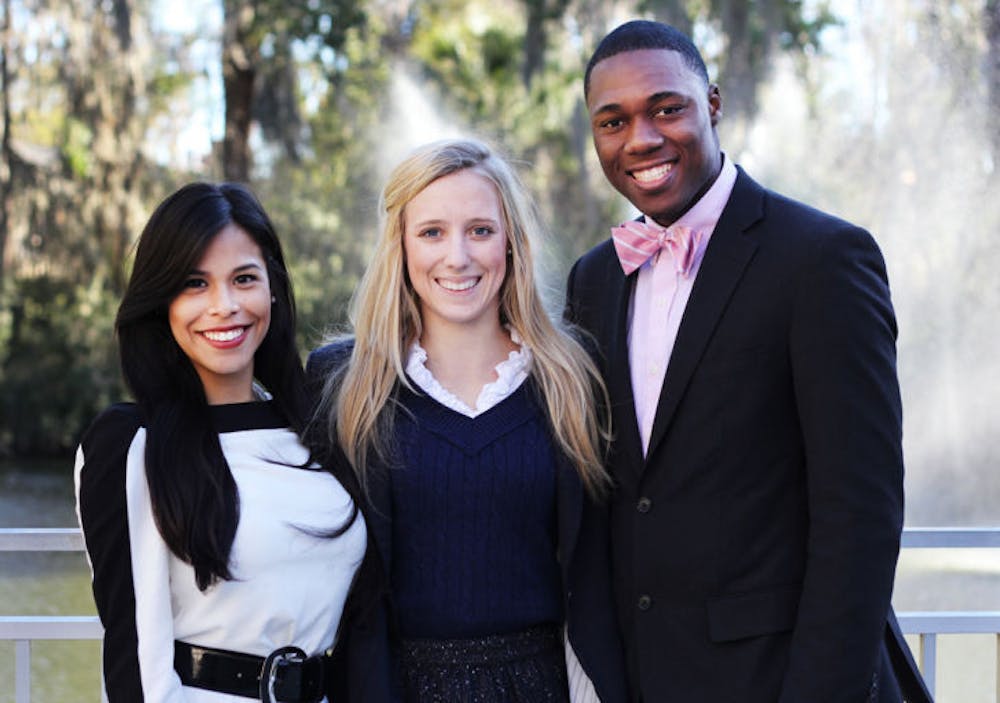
[(22, 671), (928, 660)]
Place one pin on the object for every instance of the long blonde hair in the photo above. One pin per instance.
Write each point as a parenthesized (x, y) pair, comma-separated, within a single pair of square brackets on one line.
[(386, 319)]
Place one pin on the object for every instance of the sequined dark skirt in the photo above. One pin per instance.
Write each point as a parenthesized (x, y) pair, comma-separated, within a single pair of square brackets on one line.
[(522, 667)]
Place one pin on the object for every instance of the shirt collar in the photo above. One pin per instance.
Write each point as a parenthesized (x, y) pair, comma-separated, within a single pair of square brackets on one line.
[(705, 213), (511, 372)]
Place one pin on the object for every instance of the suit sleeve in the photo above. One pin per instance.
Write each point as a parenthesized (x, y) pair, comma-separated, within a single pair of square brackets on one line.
[(842, 347), (129, 561), (570, 313), (322, 364), (327, 360), (363, 669)]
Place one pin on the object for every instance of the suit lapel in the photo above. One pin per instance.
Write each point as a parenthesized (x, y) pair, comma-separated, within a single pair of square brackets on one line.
[(728, 254), (619, 377)]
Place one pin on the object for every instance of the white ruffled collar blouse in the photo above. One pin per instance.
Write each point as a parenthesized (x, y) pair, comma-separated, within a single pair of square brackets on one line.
[(511, 373)]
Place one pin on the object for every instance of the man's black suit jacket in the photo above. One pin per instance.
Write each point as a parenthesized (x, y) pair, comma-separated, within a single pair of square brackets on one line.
[(755, 544)]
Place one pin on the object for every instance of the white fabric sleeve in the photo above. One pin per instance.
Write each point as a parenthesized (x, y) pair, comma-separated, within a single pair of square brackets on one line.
[(151, 583)]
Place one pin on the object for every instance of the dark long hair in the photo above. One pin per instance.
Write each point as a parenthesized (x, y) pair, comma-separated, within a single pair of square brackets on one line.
[(193, 493)]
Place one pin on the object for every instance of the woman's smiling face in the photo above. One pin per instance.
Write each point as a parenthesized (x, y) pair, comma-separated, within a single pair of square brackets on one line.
[(222, 315), (455, 246)]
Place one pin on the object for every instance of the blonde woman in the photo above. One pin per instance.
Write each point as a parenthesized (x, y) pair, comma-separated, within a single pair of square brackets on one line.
[(469, 418)]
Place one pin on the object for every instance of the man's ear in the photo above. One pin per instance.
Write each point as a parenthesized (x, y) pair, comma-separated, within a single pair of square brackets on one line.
[(714, 104)]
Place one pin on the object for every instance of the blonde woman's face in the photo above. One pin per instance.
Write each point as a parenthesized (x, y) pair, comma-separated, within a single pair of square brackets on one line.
[(455, 246)]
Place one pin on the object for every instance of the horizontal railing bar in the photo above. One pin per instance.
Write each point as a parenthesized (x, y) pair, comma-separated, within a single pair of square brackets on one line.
[(950, 537), (946, 622), (927, 624), (41, 539), (69, 539), (22, 629), (15, 627), (50, 627)]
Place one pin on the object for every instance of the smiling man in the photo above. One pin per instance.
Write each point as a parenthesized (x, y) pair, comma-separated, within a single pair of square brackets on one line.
[(748, 345)]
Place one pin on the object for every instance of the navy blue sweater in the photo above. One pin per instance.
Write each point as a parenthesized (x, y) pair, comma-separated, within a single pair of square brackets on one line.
[(474, 518)]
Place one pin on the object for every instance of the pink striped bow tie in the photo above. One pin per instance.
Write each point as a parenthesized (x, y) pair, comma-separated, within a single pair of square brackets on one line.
[(636, 242)]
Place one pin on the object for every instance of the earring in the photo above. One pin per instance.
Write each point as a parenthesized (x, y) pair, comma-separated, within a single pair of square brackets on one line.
[(273, 300)]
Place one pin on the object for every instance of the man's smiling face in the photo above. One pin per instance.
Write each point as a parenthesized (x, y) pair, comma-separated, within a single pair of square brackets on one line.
[(653, 121)]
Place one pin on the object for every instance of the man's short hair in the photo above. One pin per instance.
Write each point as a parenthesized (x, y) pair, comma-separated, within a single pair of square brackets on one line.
[(644, 34)]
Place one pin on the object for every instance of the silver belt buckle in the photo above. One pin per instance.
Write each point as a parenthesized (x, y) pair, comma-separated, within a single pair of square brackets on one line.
[(272, 665)]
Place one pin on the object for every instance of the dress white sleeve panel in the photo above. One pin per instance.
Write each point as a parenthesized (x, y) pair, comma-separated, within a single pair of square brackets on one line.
[(151, 579), (77, 468)]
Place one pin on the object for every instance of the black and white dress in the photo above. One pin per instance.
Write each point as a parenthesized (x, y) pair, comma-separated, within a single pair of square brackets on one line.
[(289, 585)]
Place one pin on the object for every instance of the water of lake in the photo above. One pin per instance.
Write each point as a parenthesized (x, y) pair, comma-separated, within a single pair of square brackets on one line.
[(40, 494)]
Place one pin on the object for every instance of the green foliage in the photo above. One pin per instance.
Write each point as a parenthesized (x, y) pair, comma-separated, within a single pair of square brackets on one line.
[(167, 84), (473, 61), (507, 70), (329, 21), (324, 203), (271, 40), (77, 148), (59, 368), (500, 53), (476, 69), (803, 32), (79, 91)]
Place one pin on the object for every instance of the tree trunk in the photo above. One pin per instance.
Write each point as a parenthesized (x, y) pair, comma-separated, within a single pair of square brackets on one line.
[(534, 40), (6, 171), (240, 56), (992, 24), (539, 13), (738, 63), (672, 12), (580, 139)]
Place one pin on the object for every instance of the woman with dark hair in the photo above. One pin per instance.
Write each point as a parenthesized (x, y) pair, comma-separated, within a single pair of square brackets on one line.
[(221, 552)]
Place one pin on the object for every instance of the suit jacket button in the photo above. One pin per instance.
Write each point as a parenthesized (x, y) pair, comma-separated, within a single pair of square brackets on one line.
[(644, 505), (645, 602)]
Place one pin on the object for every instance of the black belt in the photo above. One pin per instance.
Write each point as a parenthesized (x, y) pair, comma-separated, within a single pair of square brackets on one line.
[(286, 675)]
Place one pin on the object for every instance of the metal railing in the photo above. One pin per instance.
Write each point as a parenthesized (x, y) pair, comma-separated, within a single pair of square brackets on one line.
[(24, 629), (928, 625)]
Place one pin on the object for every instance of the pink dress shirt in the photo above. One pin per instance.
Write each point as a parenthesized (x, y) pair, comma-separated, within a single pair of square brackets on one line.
[(658, 303)]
